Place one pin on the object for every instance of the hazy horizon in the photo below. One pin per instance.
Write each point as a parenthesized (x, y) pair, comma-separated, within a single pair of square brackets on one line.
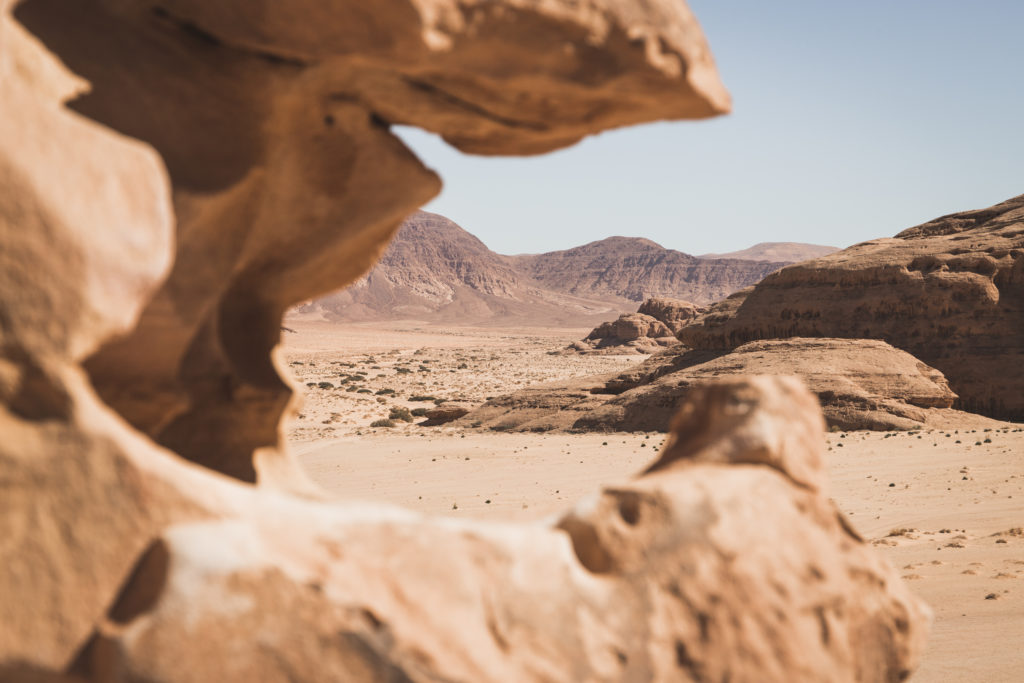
[(849, 123)]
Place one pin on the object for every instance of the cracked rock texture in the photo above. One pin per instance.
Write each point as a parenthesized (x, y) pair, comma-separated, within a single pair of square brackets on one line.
[(209, 165), (950, 292)]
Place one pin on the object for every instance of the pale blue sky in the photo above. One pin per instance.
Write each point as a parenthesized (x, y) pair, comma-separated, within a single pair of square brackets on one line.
[(851, 120)]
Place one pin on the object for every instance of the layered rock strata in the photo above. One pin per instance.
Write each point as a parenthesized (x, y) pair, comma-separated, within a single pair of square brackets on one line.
[(950, 292)]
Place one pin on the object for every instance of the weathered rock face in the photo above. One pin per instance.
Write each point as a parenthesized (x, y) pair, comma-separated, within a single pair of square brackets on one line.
[(861, 384), (633, 269), (125, 562), (950, 292), (286, 182), (677, 575)]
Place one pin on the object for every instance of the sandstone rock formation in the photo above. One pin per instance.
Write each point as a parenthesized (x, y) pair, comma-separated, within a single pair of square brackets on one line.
[(631, 332), (861, 384), (649, 330), (279, 181), (286, 181), (673, 312), (791, 252), (630, 269), (950, 292)]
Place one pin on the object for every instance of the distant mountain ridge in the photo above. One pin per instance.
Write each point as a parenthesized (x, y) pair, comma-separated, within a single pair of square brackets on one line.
[(434, 270), (635, 269), (791, 252)]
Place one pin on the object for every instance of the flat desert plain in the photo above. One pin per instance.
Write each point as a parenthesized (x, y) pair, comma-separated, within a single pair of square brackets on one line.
[(945, 507)]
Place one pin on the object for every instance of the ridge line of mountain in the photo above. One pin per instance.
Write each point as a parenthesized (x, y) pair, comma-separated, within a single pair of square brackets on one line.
[(435, 270)]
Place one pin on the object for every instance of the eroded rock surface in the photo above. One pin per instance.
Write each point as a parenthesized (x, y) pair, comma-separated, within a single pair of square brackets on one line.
[(286, 180), (950, 292)]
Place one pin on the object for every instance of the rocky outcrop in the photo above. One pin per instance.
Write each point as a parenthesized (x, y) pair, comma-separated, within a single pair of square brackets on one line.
[(630, 269), (674, 313), (443, 414), (270, 177), (950, 292), (649, 330), (631, 332), (861, 384)]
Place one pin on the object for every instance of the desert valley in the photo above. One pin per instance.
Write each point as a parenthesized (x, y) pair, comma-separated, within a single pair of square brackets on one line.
[(266, 419), (508, 417)]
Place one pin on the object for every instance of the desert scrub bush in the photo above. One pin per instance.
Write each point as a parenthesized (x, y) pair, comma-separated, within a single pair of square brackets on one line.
[(364, 391), (419, 397), (384, 422), (400, 413), (382, 392), (418, 412), (463, 366), (901, 531), (403, 371), (325, 385)]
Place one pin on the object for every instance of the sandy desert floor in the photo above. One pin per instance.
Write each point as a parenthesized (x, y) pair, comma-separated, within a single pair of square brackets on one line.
[(946, 507)]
